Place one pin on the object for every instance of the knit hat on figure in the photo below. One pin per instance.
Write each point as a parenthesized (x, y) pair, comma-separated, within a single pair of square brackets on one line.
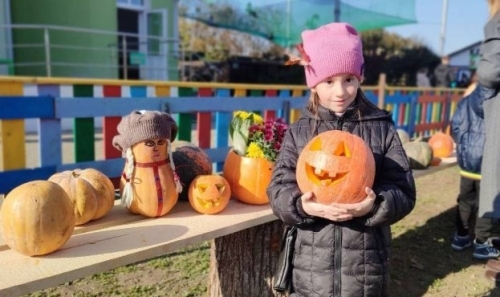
[(331, 49), (142, 125)]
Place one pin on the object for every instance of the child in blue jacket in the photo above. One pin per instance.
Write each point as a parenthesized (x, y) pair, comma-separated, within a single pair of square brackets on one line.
[(467, 129)]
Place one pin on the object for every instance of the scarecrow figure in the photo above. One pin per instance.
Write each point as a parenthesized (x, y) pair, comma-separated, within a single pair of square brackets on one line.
[(149, 185)]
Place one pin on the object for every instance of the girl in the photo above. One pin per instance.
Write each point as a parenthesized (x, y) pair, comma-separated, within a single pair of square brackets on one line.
[(341, 249)]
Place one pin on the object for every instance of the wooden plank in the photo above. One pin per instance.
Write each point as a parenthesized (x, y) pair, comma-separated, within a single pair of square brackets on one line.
[(79, 107), (100, 250), (138, 91), (26, 107), (109, 125), (49, 144), (83, 128), (296, 111), (110, 167), (12, 178), (445, 163), (222, 120), (117, 216), (271, 113), (204, 122), (12, 146), (185, 118)]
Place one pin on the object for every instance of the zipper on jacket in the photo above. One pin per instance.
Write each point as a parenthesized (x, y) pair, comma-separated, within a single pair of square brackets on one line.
[(339, 124), (337, 260)]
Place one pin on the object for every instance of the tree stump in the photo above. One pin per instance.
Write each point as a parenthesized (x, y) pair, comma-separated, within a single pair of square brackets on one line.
[(242, 264)]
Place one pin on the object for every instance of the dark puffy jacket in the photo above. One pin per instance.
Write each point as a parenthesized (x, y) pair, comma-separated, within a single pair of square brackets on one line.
[(467, 129), (347, 259)]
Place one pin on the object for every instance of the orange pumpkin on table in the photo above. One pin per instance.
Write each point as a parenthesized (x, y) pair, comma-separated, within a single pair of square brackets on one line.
[(91, 191), (442, 145), (37, 218), (149, 185), (209, 194), (336, 166)]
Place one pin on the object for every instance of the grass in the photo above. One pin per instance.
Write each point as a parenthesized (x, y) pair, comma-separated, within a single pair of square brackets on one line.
[(422, 262)]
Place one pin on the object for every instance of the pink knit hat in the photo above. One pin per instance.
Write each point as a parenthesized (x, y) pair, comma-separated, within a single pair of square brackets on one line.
[(332, 49)]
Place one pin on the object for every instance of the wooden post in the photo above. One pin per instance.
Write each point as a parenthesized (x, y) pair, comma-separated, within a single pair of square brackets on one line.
[(381, 90), (242, 264)]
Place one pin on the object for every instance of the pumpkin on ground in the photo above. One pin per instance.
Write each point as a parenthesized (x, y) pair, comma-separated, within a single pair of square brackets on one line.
[(37, 218), (248, 177), (209, 194), (442, 145), (80, 192), (403, 135), (190, 161), (103, 188), (419, 154), (336, 166)]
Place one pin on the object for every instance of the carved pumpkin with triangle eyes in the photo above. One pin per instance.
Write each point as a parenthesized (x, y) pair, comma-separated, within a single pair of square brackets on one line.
[(209, 194), (336, 166)]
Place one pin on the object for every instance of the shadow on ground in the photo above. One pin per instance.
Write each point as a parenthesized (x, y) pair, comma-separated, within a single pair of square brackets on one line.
[(422, 257)]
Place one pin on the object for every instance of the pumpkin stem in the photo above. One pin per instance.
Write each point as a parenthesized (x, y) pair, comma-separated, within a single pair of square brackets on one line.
[(75, 174)]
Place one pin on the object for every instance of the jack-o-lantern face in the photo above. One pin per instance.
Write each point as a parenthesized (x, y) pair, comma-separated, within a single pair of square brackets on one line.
[(209, 194), (336, 166)]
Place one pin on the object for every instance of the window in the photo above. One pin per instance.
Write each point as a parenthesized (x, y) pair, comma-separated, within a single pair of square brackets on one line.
[(130, 3)]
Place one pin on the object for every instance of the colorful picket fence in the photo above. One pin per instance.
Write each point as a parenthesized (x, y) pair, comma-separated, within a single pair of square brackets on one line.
[(206, 108)]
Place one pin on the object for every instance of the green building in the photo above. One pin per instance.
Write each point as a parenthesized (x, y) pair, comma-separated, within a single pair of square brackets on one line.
[(127, 39)]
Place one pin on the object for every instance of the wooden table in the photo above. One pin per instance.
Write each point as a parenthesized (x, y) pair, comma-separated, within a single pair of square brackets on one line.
[(121, 238)]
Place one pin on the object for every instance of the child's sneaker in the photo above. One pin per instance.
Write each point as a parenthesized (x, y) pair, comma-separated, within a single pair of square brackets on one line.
[(460, 243), (484, 251)]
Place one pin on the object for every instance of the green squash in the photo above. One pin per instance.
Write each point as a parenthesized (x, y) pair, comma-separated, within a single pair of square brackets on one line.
[(419, 154)]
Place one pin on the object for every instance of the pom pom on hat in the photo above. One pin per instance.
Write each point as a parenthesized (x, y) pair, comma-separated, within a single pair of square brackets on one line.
[(143, 125), (332, 49)]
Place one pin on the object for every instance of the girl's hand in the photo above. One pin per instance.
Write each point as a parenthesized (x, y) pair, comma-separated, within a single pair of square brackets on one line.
[(329, 212), (361, 208)]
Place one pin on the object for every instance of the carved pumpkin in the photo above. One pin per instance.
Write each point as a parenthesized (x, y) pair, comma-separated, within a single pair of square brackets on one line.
[(248, 177), (190, 161), (37, 218), (152, 181), (336, 166), (209, 194), (80, 192), (442, 145)]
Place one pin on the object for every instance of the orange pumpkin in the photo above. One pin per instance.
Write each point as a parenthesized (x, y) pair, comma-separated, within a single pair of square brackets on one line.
[(209, 194), (103, 187), (336, 166), (442, 145), (80, 192), (152, 182), (248, 177), (37, 218)]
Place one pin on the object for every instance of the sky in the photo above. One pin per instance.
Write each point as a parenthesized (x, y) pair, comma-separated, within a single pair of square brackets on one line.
[(464, 25)]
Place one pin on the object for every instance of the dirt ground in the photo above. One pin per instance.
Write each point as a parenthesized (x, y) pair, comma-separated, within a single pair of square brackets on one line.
[(423, 263)]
